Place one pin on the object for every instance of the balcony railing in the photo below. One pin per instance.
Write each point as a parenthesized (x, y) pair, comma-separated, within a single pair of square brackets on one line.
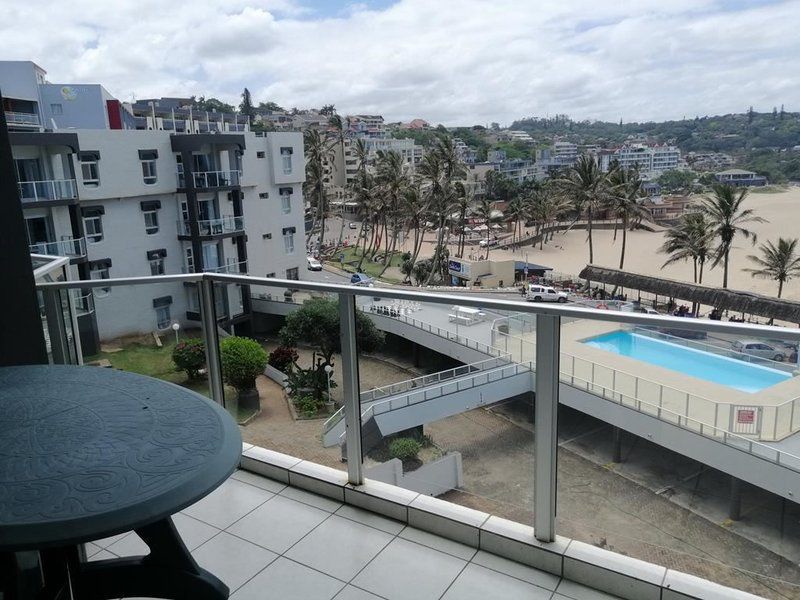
[(50, 189), (221, 226), (21, 118), (211, 179), (231, 268), (548, 365), (72, 247)]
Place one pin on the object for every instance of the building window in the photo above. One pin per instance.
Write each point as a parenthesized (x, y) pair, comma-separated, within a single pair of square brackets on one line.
[(90, 170), (293, 274), (151, 222), (288, 239), (189, 260), (263, 195), (162, 308), (56, 109), (261, 154), (148, 159), (286, 160), (286, 200), (93, 224), (100, 270), (270, 275), (163, 317), (157, 266)]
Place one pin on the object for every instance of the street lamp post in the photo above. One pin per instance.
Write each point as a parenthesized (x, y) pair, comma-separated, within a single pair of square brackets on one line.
[(176, 327), (329, 372)]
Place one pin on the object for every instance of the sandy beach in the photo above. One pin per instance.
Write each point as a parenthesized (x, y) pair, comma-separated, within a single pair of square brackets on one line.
[(569, 252)]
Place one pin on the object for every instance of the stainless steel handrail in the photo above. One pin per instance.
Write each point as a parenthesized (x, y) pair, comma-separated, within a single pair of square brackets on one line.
[(556, 310)]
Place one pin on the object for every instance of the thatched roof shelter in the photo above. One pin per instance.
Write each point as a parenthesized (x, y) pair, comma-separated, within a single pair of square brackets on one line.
[(724, 299)]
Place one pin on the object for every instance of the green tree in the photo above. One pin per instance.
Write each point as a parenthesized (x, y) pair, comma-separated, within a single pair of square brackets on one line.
[(213, 104), (316, 323), (625, 192), (727, 217), (393, 179), (691, 238), (328, 110), (246, 106), (190, 355), (318, 153), (586, 185), (780, 262), (270, 106), (486, 212), (677, 180)]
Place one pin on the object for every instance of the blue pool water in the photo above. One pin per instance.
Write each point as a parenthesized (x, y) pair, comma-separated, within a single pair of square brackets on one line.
[(695, 363)]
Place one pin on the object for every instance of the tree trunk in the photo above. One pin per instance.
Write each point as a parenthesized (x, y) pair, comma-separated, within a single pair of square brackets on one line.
[(725, 268), (321, 200), (624, 240), (591, 247), (436, 254), (780, 291)]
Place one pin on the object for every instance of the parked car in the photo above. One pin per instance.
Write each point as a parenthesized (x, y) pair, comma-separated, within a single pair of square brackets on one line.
[(543, 293), (759, 349), (353, 225), (491, 242), (313, 264), (362, 279)]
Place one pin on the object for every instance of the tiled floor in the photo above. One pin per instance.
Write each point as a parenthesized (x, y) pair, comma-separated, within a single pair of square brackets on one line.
[(268, 541)]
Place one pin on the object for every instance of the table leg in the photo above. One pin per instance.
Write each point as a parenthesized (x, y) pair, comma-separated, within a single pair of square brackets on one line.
[(169, 571)]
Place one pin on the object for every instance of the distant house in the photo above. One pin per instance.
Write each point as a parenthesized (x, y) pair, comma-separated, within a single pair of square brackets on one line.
[(740, 178), (417, 124)]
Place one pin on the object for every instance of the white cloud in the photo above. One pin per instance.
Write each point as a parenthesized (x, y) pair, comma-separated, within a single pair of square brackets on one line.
[(456, 62)]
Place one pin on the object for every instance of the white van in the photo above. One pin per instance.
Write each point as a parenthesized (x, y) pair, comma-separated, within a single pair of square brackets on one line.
[(543, 293)]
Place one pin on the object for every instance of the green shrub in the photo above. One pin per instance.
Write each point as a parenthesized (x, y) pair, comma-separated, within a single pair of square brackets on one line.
[(243, 360), (404, 449), (282, 358), (308, 405), (190, 356)]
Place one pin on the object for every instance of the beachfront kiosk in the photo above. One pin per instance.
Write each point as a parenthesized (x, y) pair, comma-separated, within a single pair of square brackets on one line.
[(481, 273)]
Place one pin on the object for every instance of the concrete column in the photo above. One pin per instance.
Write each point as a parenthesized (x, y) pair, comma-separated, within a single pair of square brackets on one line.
[(616, 432), (735, 506)]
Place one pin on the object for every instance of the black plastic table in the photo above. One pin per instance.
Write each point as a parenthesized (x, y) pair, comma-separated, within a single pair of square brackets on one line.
[(87, 453)]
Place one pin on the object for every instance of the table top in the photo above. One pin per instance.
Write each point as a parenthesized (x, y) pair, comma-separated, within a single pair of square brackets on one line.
[(88, 452)]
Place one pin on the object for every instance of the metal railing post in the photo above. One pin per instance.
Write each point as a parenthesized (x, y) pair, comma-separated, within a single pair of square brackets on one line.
[(548, 340), (350, 388), (208, 316)]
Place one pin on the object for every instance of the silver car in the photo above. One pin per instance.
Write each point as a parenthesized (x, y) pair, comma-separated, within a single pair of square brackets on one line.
[(759, 349)]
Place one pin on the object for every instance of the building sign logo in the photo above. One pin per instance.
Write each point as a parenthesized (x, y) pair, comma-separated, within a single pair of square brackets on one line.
[(68, 93), (746, 416)]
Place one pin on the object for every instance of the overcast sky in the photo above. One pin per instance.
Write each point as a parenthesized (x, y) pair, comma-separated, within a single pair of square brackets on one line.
[(448, 61)]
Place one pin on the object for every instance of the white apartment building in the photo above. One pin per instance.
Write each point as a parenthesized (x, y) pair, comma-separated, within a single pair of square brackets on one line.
[(650, 160), (127, 203)]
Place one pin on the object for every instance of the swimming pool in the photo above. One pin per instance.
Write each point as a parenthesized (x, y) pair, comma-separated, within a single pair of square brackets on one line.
[(695, 363)]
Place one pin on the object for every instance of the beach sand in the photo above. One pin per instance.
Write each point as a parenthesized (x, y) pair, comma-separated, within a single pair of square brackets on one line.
[(569, 252)]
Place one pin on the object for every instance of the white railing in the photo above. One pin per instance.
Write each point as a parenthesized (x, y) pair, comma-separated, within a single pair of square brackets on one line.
[(229, 267), (84, 301), (766, 422), (66, 247), (50, 189), (221, 226), (211, 179), (20, 118)]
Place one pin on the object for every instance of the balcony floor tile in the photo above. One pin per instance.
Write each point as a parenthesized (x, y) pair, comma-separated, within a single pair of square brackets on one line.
[(228, 503), (279, 523), (234, 560), (288, 580), (479, 583), (405, 570)]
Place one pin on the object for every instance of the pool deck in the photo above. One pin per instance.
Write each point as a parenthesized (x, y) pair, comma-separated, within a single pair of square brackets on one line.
[(571, 343)]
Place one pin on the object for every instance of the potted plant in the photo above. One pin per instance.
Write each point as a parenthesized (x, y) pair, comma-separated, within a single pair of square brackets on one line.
[(243, 360)]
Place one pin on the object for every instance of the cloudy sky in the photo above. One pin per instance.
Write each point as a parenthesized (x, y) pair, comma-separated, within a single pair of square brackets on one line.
[(449, 61)]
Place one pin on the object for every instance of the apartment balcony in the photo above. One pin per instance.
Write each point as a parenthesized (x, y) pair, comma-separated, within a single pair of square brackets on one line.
[(71, 247), (222, 227), (230, 268), (204, 180), (301, 524), (22, 120), (49, 190)]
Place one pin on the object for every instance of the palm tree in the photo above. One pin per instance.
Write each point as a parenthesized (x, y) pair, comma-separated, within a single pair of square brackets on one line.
[(727, 217), (317, 154), (336, 123), (515, 212), (487, 213), (780, 262), (392, 178), (585, 184), (691, 238), (625, 187)]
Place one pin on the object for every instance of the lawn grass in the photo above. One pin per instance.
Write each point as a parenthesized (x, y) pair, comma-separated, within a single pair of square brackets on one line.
[(145, 358), (353, 254)]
